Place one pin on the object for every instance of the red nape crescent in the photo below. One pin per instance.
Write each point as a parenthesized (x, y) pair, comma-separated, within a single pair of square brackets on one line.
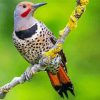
[(25, 13)]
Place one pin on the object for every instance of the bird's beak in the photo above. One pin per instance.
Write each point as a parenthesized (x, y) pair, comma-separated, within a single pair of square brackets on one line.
[(39, 5)]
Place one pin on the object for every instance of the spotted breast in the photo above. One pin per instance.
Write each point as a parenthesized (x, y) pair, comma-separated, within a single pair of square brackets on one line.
[(33, 42)]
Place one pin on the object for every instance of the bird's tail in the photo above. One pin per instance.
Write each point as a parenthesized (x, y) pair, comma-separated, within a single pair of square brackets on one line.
[(61, 82)]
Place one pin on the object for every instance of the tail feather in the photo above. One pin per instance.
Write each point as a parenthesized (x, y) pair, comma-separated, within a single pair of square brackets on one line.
[(63, 76), (65, 80), (54, 79), (61, 82)]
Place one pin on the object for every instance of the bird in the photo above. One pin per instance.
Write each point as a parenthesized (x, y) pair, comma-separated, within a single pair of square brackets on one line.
[(32, 38)]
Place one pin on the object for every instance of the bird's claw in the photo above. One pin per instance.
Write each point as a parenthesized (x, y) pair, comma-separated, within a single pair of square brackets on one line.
[(28, 73)]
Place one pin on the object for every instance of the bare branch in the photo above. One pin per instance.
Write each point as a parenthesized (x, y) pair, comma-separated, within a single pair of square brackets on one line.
[(27, 75)]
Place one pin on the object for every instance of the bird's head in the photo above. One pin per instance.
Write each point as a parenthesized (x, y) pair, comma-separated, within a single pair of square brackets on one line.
[(25, 9)]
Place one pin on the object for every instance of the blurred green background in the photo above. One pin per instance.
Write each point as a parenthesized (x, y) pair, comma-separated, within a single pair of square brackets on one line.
[(82, 48)]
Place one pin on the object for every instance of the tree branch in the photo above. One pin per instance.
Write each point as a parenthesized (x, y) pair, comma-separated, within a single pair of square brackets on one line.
[(27, 75), (48, 57), (76, 14)]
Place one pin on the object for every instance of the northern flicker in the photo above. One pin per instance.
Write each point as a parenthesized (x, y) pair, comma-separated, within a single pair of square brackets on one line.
[(32, 38)]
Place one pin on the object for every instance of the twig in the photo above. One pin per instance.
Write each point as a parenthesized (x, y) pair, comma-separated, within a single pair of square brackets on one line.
[(27, 75), (51, 54), (76, 14)]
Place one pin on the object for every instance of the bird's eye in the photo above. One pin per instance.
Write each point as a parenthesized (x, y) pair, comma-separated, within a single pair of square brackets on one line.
[(24, 6)]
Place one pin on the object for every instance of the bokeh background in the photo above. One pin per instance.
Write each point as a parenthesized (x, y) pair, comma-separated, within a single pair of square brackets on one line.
[(82, 48)]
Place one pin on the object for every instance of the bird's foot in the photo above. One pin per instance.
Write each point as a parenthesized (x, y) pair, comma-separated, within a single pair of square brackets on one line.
[(28, 73)]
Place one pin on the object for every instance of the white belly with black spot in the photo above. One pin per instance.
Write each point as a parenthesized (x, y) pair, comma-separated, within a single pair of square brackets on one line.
[(33, 48)]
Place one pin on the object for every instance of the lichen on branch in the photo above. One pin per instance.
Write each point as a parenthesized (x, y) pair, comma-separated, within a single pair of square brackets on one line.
[(74, 17)]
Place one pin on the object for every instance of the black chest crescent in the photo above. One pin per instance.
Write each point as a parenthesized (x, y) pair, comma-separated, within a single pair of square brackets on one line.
[(26, 33)]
